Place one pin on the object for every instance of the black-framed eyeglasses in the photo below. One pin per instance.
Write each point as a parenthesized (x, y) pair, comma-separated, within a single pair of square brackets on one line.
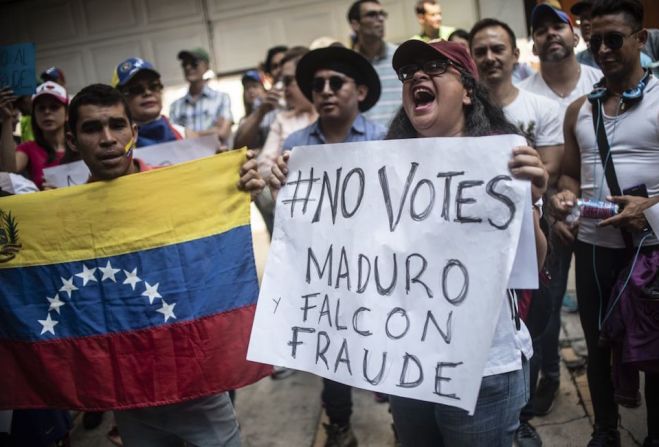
[(335, 83), (140, 89), (613, 40), (432, 68), (376, 14), (288, 80)]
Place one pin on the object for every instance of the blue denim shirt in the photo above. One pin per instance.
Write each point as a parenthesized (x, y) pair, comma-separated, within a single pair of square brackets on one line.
[(362, 130)]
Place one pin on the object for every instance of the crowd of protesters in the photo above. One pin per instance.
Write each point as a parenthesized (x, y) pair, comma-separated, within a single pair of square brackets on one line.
[(591, 122)]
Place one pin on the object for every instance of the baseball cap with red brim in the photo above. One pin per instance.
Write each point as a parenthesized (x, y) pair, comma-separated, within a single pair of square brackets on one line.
[(53, 89), (411, 51), (543, 11)]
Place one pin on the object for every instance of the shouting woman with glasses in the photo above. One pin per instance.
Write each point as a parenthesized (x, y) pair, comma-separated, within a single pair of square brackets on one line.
[(443, 98), (139, 81)]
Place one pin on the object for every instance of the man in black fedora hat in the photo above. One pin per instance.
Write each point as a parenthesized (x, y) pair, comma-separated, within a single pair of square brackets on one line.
[(341, 84)]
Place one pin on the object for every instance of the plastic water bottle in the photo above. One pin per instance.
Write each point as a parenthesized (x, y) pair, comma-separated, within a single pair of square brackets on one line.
[(592, 209)]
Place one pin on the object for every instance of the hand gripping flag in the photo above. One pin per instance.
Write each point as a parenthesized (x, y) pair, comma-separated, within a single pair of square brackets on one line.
[(131, 293)]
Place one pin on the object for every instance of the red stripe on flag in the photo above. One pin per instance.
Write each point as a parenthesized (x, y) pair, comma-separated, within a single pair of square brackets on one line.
[(149, 367)]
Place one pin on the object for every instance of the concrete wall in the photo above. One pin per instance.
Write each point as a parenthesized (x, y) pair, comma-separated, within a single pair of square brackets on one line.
[(88, 38)]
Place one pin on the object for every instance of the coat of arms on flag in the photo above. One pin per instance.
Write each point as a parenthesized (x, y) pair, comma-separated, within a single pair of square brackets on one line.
[(130, 293), (9, 242)]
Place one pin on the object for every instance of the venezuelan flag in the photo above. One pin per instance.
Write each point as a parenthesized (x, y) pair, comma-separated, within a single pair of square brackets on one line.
[(136, 292)]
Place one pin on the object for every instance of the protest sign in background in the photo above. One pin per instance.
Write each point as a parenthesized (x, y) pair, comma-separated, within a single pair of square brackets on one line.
[(17, 70), (158, 155), (389, 264)]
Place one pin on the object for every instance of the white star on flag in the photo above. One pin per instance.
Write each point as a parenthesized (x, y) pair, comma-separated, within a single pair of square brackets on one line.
[(68, 286), (48, 325), (167, 310), (108, 272), (131, 278), (87, 274), (151, 292), (55, 303)]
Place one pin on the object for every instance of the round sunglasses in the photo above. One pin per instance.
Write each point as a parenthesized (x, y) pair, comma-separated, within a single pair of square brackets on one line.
[(613, 40), (335, 83), (140, 89)]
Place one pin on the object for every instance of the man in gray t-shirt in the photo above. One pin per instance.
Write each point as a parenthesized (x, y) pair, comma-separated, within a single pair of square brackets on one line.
[(367, 19)]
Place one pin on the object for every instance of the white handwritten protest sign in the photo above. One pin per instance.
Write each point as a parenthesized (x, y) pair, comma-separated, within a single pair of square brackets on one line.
[(165, 154), (389, 264)]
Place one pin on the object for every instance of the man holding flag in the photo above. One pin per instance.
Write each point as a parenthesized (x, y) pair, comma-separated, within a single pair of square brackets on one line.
[(145, 322)]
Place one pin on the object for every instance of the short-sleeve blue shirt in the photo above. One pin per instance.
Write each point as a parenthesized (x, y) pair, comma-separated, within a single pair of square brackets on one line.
[(362, 130)]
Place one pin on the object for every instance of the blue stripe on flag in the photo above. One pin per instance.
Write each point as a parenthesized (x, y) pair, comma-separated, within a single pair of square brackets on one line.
[(165, 285)]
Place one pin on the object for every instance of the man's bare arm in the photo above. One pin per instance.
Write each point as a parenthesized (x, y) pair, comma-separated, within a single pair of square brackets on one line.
[(551, 157), (570, 170)]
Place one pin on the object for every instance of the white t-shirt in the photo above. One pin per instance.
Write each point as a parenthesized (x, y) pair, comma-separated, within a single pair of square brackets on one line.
[(508, 344), (538, 118), (634, 141), (536, 84)]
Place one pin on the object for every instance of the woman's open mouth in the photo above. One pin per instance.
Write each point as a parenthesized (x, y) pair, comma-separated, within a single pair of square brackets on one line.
[(423, 97)]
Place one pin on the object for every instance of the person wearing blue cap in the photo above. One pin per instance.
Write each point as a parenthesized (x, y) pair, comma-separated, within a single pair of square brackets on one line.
[(202, 110), (563, 79), (140, 83), (253, 90), (255, 126)]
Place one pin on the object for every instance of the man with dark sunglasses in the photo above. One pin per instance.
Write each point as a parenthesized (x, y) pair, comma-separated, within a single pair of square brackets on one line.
[(627, 104), (140, 83), (202, 109), (366, 18), (342, 85), (582, 9)]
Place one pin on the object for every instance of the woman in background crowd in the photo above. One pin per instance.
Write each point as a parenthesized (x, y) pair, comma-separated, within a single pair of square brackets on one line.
[(49, 148)]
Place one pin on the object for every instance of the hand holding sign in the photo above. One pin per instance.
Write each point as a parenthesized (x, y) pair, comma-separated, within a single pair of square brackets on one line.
[(390, 260), (527, 164), (17, 70), (279, 173), (250, 179)]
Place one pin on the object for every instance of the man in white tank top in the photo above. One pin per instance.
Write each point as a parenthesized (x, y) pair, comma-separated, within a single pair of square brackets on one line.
[(630, 113), (562, 79)]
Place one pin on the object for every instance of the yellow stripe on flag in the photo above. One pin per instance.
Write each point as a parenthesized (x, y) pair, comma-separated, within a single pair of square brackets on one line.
[(152, 209)]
